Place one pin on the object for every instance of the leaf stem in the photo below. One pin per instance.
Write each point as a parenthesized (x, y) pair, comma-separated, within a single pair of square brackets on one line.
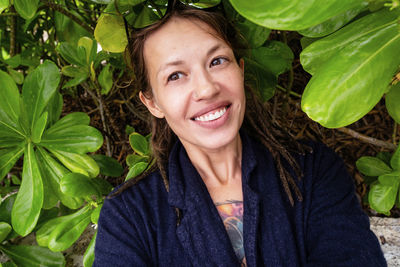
[(286, 91), (394, 133)]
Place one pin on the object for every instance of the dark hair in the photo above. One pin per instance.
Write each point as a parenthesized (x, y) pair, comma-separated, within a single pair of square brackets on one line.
[(257, 121)]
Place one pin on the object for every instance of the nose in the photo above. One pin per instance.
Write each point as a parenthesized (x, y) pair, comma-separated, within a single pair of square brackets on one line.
[(204, 87)]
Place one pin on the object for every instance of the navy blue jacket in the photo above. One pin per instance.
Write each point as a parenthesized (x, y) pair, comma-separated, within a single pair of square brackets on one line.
[(328, 228)]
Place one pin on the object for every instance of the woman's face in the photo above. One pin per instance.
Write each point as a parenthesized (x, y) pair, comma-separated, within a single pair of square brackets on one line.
[(197, 84)]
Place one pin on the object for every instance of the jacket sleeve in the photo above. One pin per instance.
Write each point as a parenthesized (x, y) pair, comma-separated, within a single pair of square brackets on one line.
[(118, 241), (338, 231)]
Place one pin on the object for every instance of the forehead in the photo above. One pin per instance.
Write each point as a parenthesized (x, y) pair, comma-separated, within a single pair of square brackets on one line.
[(178, 36)]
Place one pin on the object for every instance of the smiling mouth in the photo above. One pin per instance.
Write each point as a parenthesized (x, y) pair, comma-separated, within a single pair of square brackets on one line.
[(212, 116)]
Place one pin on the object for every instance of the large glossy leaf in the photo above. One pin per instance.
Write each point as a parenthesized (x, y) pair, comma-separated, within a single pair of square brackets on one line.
[(106, 79), (5, 229), (291, 14), (9, 106), (109, 28), (94, 217), (108, 166), (33, 256), (52, 172), (39, 87), (395, 160), (319, 52), (88, 257), (382, 195), (66, 233), (137, 169), (146, 17), (392, 101), (132, 159), (6, 208), (67, 30), (8, 157), (72, 119), (202, 3), (79, 163), (77, 139), (351, 83), (276, 57), (372, 166), (29, 201), (333, 24), (26, 8), (43, 234), (50, 190), (4, 4), (77, 185)]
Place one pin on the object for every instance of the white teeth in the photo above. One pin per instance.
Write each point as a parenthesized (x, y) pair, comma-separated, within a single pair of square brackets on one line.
[(212, 117)]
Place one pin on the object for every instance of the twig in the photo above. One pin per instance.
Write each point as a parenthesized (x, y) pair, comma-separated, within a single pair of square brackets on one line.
[(9, 14), (367, 139), (285, 90), (13, 32), (394, 133), (65, 12), (99, 104)]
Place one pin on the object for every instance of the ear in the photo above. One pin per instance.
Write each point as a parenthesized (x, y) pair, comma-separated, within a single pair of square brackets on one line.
[(241, 65), (151, 106)]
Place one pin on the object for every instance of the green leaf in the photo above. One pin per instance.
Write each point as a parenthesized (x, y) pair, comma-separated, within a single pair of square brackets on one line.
[(52, 172), (29, 201), (276, 57), (54, 108), (77, 185), (9, 106), (372, 166), (137, 169), (26, 8), (291, 14), (319, 52), (72, 119), (32, 256), (70, 54), (76, 139), (132, 159), (38, 128), (90, 48), (350, 84), (259, 77), (145, 18), (139, 144), (385, 157), (106, 79), (6, 207), (202, 3), (44, 232), (39, 87), (8, 157), (395, 160), (108, 29), (88, 257), (102, 186), (75, 71), (333, 24), (66, 233), (4, 4), (95, 214), (5, 229), (108, 166), (17, 76), (77, 80), (392, 102), (382, 195), (79, 163)]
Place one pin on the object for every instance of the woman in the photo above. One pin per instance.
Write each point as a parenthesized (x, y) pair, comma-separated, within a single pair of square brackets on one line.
[(222, 191)]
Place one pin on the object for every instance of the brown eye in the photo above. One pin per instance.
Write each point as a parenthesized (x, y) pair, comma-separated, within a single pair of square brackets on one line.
[(175, 76), (217, 61)]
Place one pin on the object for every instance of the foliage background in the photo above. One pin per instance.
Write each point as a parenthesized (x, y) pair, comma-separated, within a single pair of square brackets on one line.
[(34, 33)]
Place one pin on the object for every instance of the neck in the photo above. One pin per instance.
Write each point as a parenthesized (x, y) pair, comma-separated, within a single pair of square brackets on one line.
[(218, 167)]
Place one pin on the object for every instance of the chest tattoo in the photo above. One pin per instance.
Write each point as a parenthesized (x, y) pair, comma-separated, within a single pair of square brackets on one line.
[(231, 212)]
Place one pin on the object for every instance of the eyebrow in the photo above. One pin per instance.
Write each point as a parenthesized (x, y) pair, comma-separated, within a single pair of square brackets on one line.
[(180, 62)]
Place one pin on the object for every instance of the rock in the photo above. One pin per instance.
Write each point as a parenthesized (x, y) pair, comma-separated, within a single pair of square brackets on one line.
[(388, 232)]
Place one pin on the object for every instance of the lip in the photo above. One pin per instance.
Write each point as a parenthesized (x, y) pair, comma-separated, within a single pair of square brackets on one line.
[(210, 108)]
